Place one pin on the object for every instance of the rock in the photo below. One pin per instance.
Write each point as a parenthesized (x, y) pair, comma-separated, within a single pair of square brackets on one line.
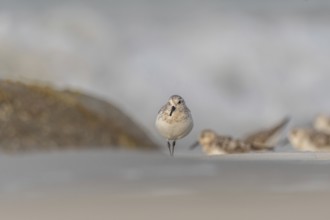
[(40, 118)]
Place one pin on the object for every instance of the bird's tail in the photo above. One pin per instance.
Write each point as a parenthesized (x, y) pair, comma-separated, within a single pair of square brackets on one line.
[(194, 145)]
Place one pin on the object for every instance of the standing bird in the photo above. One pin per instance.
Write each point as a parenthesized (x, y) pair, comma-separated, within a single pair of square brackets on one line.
[(174, 121)]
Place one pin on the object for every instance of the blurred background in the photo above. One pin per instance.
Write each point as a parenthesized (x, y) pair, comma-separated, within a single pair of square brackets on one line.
[(240, 65)]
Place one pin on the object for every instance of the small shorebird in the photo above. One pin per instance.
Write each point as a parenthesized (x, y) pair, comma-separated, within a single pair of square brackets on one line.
[(214, 144), (304, 139), (269, 136), (174, 121), (322, 123)]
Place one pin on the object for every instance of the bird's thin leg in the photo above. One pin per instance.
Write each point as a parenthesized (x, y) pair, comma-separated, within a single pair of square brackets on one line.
[(173, 145), (169, 147)]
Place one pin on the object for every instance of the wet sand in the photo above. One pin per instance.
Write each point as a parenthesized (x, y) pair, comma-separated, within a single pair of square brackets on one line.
[(128, 185)]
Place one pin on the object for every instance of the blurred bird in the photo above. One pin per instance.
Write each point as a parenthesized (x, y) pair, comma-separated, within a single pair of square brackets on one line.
[(322, 123), (304, 139), (269, 136), (214, 144), (262, 140)]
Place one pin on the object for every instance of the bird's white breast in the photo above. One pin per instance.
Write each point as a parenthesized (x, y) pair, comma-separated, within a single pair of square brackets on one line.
[(174, 130)]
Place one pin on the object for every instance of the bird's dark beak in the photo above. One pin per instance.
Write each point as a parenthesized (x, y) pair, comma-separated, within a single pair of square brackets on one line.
[(172, 110), (194, 145)]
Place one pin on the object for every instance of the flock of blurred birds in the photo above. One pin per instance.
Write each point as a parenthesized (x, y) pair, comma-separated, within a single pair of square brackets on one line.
[(313, 139)]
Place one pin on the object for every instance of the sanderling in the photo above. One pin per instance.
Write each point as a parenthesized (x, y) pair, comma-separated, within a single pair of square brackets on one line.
[(214, 144), (174, 121), (269, 136), (322, 123), (304, 139)]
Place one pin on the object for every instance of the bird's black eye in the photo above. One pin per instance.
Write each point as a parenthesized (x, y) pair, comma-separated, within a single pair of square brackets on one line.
[(179, 102)]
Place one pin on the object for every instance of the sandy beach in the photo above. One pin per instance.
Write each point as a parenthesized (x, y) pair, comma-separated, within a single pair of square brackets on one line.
[(129, 185)]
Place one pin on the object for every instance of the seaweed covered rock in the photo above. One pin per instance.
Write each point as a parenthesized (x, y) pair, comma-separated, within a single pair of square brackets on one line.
[(40, 118)]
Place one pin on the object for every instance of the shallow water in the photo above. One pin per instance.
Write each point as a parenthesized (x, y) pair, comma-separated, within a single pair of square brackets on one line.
[(254, 171), (63, 185)]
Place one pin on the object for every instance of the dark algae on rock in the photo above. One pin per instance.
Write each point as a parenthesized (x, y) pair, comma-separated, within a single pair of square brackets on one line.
[(34, 117)]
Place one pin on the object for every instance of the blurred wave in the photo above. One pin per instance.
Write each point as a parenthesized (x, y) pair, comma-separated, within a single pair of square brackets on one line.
[(239, 65)]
